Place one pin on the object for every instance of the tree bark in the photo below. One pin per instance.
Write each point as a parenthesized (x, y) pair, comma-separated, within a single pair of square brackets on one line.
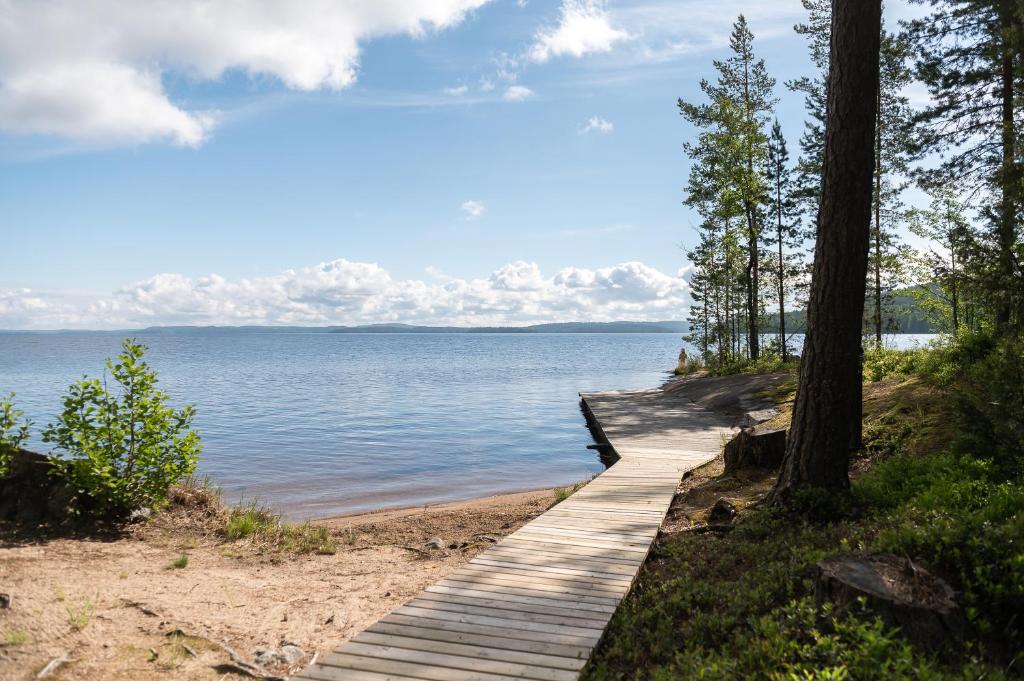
[(782, 274), (1007, 209), (826, 416), (878, 220)]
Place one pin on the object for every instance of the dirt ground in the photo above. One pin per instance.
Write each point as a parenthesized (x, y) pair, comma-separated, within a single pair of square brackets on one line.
[(117, 608)]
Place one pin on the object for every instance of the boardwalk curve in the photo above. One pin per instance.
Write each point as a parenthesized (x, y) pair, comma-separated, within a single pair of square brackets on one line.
[(534, 605)]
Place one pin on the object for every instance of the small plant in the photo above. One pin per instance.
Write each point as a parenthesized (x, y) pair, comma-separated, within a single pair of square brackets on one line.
[(179, 563), (13, 430), (124, 450), (563, 493), (15, 637), (79, 618), (259, 524)]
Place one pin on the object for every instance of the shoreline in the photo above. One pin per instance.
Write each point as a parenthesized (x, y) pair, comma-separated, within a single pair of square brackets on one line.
[(388, 513)]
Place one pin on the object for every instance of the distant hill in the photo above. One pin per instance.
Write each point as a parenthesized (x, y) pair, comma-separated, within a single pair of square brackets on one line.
[(558, 327)]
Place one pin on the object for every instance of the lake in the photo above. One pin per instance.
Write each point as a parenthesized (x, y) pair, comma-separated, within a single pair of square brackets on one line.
[(320, 424)]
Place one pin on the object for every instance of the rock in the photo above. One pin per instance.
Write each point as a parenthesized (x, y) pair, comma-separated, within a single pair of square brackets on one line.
[(755, 449), (291, 654), (436, 544), (903, 594), (752, 418), (5, 601), (722, 513), (286, 655)]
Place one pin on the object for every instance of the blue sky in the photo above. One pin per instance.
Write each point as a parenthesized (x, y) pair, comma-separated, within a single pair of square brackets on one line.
[(428, 161)]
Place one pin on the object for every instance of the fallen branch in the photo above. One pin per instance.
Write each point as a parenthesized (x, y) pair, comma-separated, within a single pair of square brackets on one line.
[(52, 666), (238, 664)]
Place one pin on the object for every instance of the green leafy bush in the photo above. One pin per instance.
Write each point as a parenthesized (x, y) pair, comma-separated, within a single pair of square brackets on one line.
[(990, 403), (123, 450), (13, 430)]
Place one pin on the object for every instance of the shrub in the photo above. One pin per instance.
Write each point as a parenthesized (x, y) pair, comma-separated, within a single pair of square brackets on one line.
[(13, 430), (990, 404), (123, 451)]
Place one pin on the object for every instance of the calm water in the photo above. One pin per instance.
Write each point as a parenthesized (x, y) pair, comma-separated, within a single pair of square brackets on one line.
[(320, 424)]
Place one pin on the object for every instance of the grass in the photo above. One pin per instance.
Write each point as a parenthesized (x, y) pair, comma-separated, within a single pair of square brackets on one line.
[(179, 563), (15, 637), (260, 525), (80, 616), (562, 493), (741, 605)]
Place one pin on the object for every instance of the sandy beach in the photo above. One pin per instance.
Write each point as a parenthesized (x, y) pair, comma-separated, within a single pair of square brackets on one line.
[(117, 609)]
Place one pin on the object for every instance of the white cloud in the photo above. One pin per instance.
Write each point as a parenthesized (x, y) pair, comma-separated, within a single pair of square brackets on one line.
[(456, 91), (597, 124), (345, 292), (584, 27), (473, 209), (93, 70), (517, 93), (486, 84)]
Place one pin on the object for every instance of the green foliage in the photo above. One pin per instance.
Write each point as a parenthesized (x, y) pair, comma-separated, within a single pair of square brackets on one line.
[(123, 450), (881, 362), (990, 403), (179, 563), (13, 430), (768, 363), (563, 493), (260, 525)]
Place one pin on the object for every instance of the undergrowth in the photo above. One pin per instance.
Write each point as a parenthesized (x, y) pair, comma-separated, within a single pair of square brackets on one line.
[(741, 605)]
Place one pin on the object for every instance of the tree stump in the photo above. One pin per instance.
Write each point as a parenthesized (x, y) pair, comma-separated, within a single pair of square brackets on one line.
[(755, 449), (903, 594)]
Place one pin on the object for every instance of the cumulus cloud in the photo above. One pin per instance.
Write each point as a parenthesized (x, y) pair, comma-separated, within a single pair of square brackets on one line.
[(93, 69), (457, 91), (517, 93), (597, 124), (584, 27), (473, 209), (345, 292)]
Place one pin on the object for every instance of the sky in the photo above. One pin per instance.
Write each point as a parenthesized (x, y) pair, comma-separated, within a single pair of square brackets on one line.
[(463, 162)]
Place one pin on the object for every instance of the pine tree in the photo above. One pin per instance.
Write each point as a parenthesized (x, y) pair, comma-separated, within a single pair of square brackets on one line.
[(741, 100), (812, 142), (826, 414), (893, 155), (784, 237), (969, 57), (944, 293)]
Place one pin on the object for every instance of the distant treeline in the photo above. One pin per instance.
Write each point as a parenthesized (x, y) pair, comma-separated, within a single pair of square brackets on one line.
[(903, 315)]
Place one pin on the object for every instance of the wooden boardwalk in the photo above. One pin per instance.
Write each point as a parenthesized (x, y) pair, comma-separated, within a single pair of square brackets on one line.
[(534, 605)]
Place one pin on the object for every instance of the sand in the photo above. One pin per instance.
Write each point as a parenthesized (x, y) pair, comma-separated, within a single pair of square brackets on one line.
[(113, 606)]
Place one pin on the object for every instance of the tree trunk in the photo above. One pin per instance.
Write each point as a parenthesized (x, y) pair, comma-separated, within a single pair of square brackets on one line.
[(826, 416), (782, 277), (1007, 207), (878, 220)]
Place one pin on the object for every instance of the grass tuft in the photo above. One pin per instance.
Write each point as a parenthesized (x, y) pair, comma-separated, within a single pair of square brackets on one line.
[(179, 563)]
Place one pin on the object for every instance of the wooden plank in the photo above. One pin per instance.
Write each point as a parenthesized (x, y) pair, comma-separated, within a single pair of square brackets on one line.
[(499, 630), (486, 652), (439, 635), (462, 662), (450, 604)]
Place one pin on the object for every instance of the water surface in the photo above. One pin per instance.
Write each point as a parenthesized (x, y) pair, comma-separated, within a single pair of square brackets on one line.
[(320, 424)]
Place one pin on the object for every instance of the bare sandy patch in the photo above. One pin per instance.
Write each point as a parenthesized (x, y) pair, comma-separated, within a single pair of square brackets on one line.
[(118, 608)]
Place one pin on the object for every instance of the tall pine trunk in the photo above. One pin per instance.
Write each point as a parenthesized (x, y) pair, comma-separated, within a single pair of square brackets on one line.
[(782, 276), (878, 220), (1008, 181), (826, 416)]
